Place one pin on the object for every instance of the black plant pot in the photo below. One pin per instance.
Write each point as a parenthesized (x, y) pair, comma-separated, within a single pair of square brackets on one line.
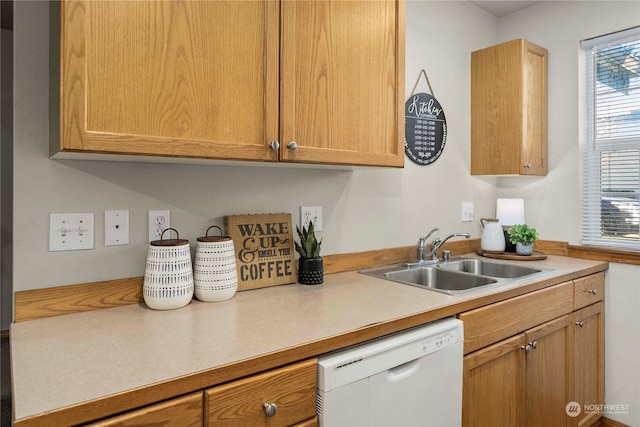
[(509, 247), (310, 271)]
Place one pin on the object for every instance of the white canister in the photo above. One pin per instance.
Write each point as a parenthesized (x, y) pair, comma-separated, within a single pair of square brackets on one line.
[(492, 236), (214, 270), (168, 277)]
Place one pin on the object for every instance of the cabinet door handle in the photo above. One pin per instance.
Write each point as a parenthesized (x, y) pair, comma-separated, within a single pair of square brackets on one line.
[(269, 409), (593, 291), (275, 145), (292, 145), (580, 323), (534, 345), (526, 348), (527, 166)]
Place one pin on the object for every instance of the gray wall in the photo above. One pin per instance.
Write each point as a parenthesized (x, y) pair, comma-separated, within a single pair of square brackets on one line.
[(362, 209)]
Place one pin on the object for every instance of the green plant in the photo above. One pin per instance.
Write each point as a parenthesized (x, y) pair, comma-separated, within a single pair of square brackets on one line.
[(309, 246), (523, 234)]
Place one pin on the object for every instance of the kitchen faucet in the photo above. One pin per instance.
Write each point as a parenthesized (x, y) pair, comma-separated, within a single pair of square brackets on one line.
[(431, 257)]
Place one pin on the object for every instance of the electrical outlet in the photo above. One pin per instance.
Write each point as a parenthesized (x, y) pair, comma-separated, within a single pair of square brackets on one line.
[(116, 228), (311, 213), (467, 211), (70, 231), (159, 221)]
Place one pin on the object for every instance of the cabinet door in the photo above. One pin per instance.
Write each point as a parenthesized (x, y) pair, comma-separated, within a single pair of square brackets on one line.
[(509, 109), (588, 359), (549, 373), (342, 82), (180, 412), (533, 154), (169, 78), (494, 385)]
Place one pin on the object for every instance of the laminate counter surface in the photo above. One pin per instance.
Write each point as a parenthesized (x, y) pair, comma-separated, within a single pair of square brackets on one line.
[(65, 361)]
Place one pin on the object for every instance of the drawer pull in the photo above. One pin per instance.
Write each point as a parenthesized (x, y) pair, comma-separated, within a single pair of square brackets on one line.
[(593, 291), (269, 409), (580, 323)]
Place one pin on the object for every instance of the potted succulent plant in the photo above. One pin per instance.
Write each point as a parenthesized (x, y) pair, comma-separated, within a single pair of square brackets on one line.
[(523, 237), (310, 268)]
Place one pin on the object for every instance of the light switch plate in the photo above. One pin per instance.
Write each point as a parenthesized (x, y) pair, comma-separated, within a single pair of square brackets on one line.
[(116, 228), (70, 231), (467, 211)]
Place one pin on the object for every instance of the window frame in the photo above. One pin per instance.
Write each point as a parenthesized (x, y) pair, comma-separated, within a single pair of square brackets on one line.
[(594, 196)]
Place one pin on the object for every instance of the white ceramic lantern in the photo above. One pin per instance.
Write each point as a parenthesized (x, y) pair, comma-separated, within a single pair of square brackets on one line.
[(214, 271), (168, 277)]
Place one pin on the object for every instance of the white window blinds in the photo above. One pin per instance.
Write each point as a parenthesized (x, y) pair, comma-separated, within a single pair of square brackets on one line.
[(611, 140)]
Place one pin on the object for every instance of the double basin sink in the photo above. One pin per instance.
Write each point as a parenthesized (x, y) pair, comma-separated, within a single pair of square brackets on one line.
[(458, 276)]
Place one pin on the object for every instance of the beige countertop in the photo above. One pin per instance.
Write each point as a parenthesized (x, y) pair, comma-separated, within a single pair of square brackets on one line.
[(133, 352)]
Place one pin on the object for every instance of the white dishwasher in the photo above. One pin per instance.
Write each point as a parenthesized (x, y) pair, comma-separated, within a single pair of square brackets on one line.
[(411, 378)]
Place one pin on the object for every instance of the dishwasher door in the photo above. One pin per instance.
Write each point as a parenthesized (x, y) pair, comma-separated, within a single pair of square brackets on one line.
[(412, 378)]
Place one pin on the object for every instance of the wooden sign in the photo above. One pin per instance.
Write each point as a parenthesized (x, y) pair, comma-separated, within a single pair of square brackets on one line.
[(264, 249), (425, 129)]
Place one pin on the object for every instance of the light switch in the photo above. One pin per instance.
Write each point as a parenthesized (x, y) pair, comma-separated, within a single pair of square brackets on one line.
[(116, 228), (70, 231)]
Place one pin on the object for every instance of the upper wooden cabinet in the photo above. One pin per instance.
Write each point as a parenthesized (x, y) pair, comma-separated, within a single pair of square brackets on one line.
[(509, 109), (233, 80)]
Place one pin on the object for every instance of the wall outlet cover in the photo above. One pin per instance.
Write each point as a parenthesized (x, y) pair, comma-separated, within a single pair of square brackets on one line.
[(159, 220)]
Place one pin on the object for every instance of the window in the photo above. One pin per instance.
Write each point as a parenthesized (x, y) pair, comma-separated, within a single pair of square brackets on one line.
[(611, 140)]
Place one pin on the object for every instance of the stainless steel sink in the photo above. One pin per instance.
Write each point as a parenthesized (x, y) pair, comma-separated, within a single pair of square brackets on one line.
[(439, 279), (455, 277), (492, 269)]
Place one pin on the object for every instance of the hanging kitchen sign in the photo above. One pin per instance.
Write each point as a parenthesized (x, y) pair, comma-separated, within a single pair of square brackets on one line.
[(425, 126)]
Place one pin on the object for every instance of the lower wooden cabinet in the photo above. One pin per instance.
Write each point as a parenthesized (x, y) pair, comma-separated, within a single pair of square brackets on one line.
[(281, 397), (588, 368), (183, 411), (530, 378), (493, 385), (549, 374), (521, 381), (290, 390)]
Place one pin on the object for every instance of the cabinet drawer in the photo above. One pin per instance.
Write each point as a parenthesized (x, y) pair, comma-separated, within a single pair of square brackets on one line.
[(588, 290), (492, 323), (240, 403), (183, 411)]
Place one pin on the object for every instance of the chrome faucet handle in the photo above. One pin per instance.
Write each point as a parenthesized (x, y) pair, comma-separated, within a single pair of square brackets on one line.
[(430, 233)]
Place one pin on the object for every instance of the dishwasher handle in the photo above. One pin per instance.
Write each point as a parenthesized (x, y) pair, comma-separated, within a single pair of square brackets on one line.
[(402, 371)]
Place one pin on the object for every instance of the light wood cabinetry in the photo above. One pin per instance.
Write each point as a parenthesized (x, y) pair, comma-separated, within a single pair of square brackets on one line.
[(225, 79), (342, 83), (522, 374), (493, 392), (180, 412), (509, 109), (589, 362), (549, 374), (291, 390)]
